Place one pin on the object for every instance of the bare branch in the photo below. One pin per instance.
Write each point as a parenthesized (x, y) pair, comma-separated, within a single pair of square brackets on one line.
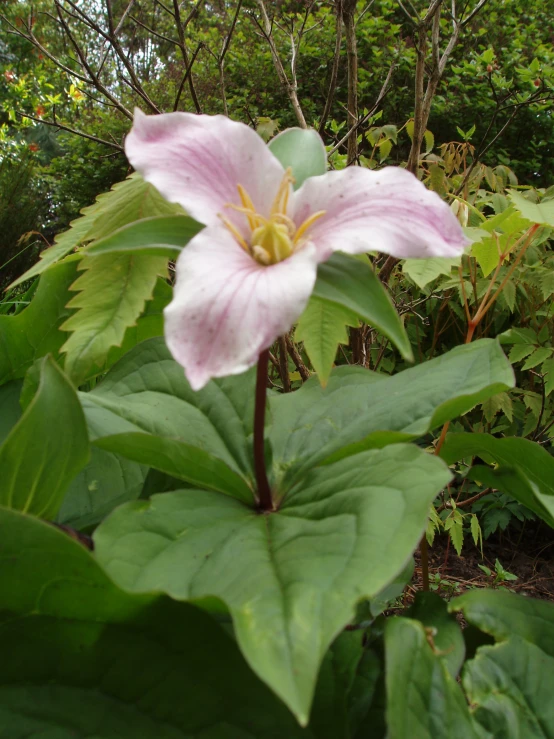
[(187, 75), (384, 90), (184, 51), (290, 86), (334, 69), (82, 134)]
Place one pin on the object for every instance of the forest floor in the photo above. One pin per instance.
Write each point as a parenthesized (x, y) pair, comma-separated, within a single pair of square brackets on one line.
[(529, 556)]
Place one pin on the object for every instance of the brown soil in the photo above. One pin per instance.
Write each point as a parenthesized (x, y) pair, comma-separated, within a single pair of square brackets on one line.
[(529, 555)]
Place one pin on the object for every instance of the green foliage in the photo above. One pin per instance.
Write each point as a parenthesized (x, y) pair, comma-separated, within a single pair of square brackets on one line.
[(121, 284), (46, 448)]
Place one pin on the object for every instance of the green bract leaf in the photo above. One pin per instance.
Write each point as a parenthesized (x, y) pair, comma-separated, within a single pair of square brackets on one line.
[(525, 470), (46, 448), (112, 294), (503, 614), (423, 271), (509, 684), (361, 409), (10, 410), (303, 568), (345, 688), (423, 699), (34, 332), (542, 213), (302, 150), (82, 658), (107, 481), (145, 410), (126, 202), (352, 284), (322, 327), (510, 689), (157, 236), (430, 609)]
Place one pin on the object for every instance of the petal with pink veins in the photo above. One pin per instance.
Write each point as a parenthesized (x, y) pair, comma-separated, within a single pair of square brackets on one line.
[(388, 210), (198, 161), (227, 308)]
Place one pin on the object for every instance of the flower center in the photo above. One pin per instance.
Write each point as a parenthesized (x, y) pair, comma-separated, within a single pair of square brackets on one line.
[(275, 238)]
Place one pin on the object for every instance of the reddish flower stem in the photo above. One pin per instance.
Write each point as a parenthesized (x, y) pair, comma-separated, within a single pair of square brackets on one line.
[(265, 501)]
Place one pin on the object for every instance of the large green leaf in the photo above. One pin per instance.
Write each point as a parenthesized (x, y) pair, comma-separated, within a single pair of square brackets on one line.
[(431, 610), (291, 579), (523, 468), (81, 658), (360, 409), (159, 235), (10, 410), (509, 686), (503, 614), (345, 688), (424, 271), (351, 283), (423, 699), (112, 293), (302, 150), (535, 212), (34, 332), (145, 410), (46, 448), (322, 327), (107, 481)]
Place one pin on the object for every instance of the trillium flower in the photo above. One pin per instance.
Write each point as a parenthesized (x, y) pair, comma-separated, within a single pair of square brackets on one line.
[(246, 278)]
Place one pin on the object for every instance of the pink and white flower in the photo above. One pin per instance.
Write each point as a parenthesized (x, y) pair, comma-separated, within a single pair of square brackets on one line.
[(246, 278)]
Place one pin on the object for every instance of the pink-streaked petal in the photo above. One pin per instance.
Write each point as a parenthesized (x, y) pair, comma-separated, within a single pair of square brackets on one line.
[(388, 210), (227, 308), (198, 160)]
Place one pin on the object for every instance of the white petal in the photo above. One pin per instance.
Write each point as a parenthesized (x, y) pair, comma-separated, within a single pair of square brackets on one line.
[(198, 161), (227, 308), (388, 210)]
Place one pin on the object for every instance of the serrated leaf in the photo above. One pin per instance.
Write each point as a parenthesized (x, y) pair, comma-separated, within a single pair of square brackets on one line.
[(499, 402), (322, 327), (487, 255), (548, 371), (476, 533), (454, 524), (537, 357), (532, 401), (509, 295), (46, 448), (352, 284), (547, 284), (424, 271), (542, 213), (384, 149), (112, 293), (302, 561), (520, 351)]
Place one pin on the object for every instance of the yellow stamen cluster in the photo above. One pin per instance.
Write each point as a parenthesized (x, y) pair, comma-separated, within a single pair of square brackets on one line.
[(275, 238)]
